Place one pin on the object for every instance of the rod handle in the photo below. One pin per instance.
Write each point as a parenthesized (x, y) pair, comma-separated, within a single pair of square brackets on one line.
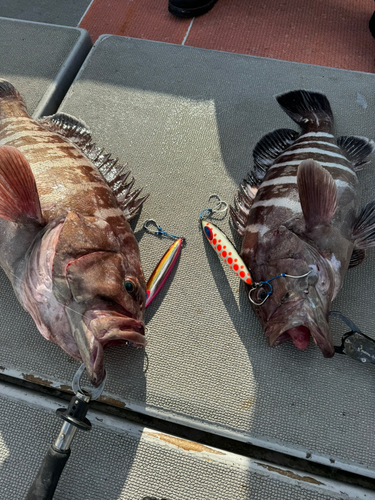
[(45, 482)]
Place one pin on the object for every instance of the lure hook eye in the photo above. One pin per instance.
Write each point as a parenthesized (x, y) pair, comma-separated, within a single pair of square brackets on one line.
[(258, 299), (159, 231), (151, 222)]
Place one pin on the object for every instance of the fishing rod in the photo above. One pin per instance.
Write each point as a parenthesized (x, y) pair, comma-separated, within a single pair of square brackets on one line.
[(45, 482)]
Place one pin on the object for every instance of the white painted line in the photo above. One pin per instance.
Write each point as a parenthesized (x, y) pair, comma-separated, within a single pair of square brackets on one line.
[(188, 31), (79, 22)]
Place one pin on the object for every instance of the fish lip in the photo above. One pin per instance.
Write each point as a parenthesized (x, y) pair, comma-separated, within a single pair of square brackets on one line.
[(114, 330), (115, 315), (110, 309)]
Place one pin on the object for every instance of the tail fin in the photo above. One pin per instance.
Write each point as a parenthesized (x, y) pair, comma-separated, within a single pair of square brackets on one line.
[(311, 110), (9, 93), (7, 90)]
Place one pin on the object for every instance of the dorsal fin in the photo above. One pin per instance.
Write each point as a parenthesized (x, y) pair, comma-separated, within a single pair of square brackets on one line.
[(357, 257), (67, 126), (78, 133), (19, 199), (357, 149), (270, 147), (364, 228), (243, 203), (317, 192)]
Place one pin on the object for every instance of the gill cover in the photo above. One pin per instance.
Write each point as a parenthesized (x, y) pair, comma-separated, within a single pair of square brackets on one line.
[(79, 237)]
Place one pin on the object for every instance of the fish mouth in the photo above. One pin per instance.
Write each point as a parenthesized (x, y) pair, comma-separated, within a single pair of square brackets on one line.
[(306, 323), (110, 328), (300, 336), (115, 330), (100, 328)]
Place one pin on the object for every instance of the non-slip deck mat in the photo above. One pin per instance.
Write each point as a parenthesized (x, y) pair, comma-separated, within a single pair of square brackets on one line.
[(65, 13), (186, 121), (122, 461), (41, 60)]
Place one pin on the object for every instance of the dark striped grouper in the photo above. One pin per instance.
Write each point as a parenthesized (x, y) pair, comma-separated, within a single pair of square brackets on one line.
[(300, 219), (65, 241)]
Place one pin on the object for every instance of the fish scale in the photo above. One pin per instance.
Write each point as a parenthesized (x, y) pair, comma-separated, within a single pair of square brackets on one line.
[(52, 157), (300, 219), (65, 239)]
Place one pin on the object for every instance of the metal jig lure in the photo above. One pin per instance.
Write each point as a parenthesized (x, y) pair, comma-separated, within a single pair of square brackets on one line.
[(220, 243), (165, 265)]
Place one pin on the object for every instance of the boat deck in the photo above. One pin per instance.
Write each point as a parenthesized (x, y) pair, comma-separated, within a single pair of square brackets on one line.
[(208, 410)]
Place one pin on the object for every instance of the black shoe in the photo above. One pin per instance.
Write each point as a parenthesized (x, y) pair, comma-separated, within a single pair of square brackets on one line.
[(371, 25), (190, 8)]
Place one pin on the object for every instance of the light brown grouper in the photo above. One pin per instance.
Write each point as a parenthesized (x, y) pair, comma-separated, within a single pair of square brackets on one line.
[(300, 219), (65, 240)]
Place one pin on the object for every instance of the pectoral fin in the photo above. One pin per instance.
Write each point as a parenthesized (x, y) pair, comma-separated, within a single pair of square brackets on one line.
[(19, 199), (317, 193)]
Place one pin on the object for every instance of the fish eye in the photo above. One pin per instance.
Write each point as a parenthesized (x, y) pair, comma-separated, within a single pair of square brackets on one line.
[(262, 294), (129, 286)]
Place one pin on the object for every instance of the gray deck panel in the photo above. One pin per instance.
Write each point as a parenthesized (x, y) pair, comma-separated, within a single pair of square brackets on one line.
[(41, 60), (186, 121), (122, 461), (64, 12)]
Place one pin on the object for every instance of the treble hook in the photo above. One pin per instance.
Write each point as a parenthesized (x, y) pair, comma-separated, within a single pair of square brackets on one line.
[(160, 230), (220, 207)]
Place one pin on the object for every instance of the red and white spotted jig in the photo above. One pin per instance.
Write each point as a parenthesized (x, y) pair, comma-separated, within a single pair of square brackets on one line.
[(220, 243)]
